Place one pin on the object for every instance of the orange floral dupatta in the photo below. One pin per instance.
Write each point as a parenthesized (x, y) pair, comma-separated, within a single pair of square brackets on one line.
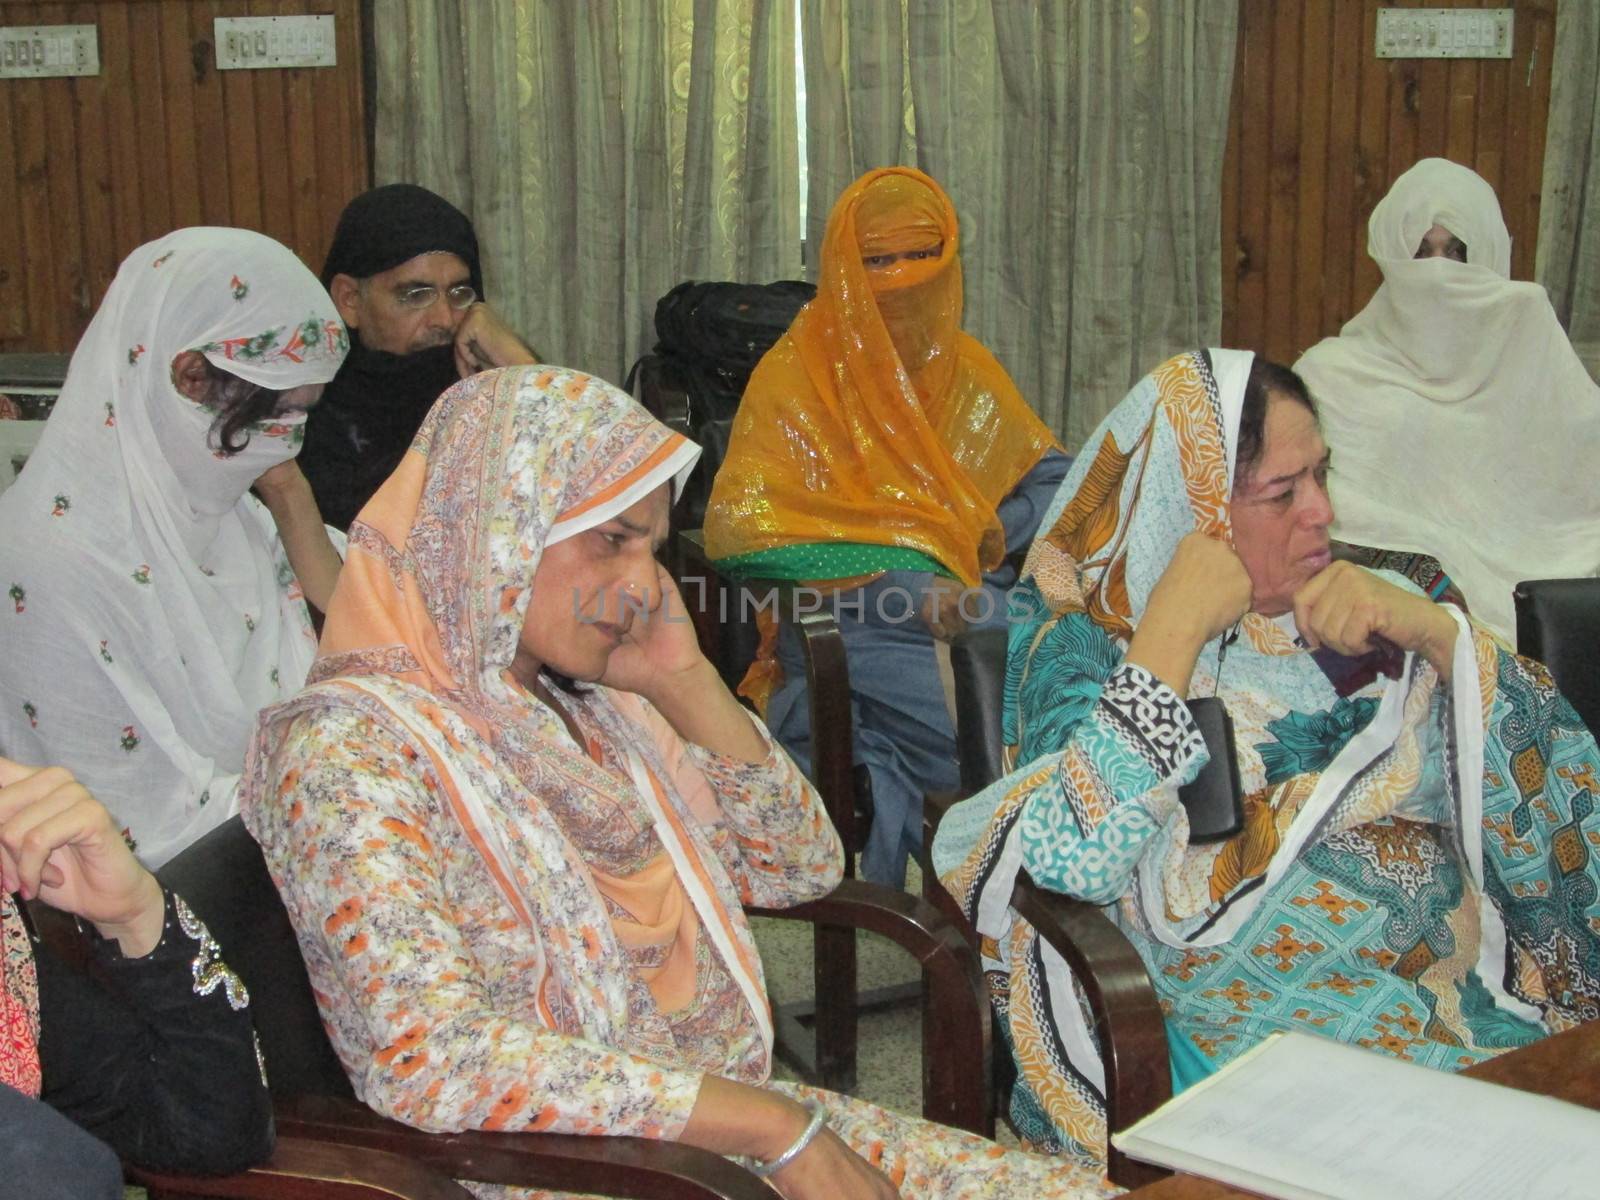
[(875, 421), (421, 634)]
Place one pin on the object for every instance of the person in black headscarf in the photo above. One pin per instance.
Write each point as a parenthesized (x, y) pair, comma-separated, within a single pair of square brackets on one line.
[(403, 271)]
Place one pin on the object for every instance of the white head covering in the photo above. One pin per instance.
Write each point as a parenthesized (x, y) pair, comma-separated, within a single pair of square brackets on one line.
[(151, 613), (1461, 422)]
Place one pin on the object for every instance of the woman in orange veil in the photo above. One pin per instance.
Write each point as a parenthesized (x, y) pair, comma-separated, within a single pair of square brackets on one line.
[(884, 454)]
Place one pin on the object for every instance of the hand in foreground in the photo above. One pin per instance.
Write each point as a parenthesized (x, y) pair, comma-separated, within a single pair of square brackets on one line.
[(941, 607), (484, 341), (828, 1169), (1345, 608), (57, 842), (761, 1123), (660, 647)]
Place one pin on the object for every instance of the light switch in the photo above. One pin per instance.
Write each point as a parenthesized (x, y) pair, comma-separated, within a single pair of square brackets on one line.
[(256, 43), (37, 51), (1443, 33)]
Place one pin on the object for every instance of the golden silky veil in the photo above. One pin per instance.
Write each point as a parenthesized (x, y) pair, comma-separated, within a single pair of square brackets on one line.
[(875, 421)]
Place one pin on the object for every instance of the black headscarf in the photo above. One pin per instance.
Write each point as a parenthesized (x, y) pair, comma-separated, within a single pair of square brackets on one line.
[(372, 409), (389, 225)]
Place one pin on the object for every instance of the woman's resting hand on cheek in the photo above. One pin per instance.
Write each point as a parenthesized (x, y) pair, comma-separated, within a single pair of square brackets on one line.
[(1203, 592), (660, 649)]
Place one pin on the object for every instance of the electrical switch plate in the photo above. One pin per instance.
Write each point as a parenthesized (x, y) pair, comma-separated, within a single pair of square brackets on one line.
[(33, 51), (256, 43), (1444, 33)]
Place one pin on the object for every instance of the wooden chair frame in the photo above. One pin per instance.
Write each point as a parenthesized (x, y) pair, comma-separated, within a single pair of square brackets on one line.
[(956, 1033), (308, 1170)]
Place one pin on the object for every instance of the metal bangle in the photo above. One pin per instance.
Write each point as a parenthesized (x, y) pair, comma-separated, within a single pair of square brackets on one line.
[(819, 1115)]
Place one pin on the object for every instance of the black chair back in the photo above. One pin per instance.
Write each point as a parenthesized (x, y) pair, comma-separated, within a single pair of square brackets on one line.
[(224, 879), (978, 662), (1558, 623)]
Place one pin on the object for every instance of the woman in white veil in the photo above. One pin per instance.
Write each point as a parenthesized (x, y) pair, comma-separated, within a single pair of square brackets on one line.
[(154, 605), (1462, 424)]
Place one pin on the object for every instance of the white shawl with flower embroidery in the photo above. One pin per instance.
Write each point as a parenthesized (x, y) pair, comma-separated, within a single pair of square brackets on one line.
[(150, 613)]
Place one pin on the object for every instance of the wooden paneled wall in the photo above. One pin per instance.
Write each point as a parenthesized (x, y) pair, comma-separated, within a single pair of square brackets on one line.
[(92, 167), (1320, 127)]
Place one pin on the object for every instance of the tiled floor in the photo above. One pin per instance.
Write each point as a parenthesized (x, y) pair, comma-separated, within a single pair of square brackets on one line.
[(889, 1054)]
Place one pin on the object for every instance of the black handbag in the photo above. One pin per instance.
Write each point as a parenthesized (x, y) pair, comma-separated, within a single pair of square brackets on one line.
[(1214, 799)]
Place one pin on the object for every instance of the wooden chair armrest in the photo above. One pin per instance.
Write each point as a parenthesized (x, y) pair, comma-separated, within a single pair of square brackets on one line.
[(635, 1168), (309, 1170), (1128, 1022), (955, 1021)]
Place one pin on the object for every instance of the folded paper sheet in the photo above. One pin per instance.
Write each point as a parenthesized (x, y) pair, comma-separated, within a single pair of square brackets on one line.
[(1308, 1118)]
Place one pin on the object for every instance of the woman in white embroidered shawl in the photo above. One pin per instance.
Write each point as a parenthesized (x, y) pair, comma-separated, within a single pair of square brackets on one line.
[(519, 896), (1462, 424), (154, 607)]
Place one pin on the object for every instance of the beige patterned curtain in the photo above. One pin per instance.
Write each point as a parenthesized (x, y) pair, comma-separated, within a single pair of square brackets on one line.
[(1082, 143), (1568, 262), (605, 151)]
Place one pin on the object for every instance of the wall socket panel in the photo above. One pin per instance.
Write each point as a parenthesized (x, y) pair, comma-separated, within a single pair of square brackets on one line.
[(1444, 33), (34, 51), (257, 43)]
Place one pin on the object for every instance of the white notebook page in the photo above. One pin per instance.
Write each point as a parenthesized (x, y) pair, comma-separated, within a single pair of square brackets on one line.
[(1307, 1117)]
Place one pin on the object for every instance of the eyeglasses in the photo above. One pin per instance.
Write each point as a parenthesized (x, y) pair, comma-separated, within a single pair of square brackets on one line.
[(424, 294)]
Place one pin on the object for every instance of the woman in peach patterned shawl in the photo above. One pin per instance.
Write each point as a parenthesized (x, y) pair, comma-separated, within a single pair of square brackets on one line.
[(520, 896)]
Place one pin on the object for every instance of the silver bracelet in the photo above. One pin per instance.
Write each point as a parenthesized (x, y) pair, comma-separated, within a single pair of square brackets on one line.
[(813, 1127)]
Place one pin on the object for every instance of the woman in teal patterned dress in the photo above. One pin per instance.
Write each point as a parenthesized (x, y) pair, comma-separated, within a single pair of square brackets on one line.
[(1417, 869)]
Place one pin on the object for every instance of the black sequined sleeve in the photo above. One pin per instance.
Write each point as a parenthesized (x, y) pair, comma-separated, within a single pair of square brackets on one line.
[(156, 1055)]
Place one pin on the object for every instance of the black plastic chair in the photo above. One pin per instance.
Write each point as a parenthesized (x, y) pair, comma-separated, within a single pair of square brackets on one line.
[(1558, 623), (978, 665), (224, 879)]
